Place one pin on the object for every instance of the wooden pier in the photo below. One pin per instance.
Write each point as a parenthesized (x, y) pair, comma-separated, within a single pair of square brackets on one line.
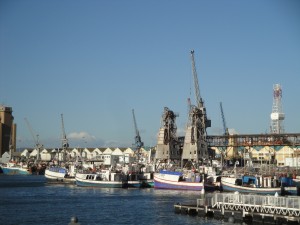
[(249, 208)]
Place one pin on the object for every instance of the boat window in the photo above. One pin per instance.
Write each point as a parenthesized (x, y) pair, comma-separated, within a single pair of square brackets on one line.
[(251, 181), (238, 182)]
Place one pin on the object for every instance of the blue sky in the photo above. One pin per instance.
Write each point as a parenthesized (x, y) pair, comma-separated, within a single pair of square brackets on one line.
[(95, 61)]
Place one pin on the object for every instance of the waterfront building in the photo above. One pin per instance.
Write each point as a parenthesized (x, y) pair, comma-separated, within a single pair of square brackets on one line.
[(8, 131), (109, 156), (276, 155)]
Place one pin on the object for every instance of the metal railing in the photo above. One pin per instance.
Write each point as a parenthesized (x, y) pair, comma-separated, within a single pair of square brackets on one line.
[(253, 203)]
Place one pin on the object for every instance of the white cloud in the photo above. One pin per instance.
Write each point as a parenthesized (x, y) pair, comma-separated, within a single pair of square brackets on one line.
[(232, 131), (83, 135)]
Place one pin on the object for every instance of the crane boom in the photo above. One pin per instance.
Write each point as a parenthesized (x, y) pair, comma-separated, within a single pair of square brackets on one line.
[(223, 120), (196, 83), (31, 132), (65, 143), (36, 139), (138, 141), (200, 104), (135, 125)]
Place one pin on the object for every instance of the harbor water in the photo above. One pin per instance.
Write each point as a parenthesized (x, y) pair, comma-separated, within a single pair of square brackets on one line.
[(58, 203)]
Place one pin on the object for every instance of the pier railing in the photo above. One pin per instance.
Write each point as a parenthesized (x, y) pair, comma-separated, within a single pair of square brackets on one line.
[(279, 205)]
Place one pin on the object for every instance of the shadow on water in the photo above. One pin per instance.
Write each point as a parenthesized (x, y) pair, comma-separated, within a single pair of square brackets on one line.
[(22, 181)]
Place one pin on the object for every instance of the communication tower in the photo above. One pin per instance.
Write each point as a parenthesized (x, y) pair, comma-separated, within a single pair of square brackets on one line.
[(277, 115)]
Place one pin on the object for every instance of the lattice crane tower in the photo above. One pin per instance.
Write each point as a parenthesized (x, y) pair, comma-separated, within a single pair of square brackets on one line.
[(277, 115), (195, 147)]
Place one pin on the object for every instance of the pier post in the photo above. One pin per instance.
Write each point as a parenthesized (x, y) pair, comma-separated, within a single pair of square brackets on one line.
[(238, 216), (218, 214), (202, 194)]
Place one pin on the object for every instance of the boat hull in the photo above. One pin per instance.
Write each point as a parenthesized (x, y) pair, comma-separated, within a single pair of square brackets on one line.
[(101, 184), (140, 184), (58, 175), (90, 180), (169, 181), (241, 189), (108, 184), (15, 171), (229, 184), (292, 191)]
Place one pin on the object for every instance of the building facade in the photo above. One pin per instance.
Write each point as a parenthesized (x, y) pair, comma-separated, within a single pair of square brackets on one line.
[(8, 130)]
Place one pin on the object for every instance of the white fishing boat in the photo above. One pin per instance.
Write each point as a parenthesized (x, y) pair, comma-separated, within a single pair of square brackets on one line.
[(259, 185), (60, 174), (63, 171), (103, 179)]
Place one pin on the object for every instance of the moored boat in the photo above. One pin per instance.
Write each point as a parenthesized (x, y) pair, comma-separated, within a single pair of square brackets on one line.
[(176, 180), (12, 168), (140, 180), (60, 174), (258, 185), (103, 179)]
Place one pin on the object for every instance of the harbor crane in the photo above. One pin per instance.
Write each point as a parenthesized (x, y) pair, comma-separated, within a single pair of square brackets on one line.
[(195, 148), (65, 143), (226, 133), (200, 104), (138, 141), (189, 106), (196, 83), (199, 117), (35, 139), (168, 152), (225, 129)]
